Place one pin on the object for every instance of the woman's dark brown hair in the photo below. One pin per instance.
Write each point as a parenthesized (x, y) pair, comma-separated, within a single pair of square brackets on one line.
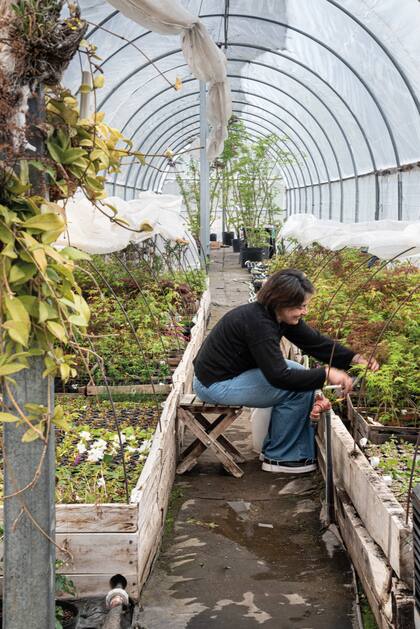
[(285, 289)]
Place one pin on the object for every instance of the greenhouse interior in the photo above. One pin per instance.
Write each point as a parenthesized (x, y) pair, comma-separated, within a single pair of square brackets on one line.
[(209, 314)]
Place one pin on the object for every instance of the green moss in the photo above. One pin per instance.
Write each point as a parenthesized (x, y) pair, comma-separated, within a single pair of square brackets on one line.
[(368, 617), (175, 501)]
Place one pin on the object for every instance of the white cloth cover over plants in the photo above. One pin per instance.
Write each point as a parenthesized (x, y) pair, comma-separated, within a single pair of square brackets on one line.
[(206, 61), (150, 215), (384, 239)]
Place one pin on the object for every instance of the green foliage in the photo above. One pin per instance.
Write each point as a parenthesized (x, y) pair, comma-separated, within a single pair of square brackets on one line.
[(133, 344), (63, 584), (242, 181)]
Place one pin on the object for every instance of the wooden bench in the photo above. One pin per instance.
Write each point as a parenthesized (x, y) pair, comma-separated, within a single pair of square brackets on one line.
[(209, 434)]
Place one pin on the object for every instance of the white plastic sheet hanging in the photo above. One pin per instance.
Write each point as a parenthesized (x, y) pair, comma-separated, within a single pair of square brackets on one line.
[(90, 229), (384, 239), (205, 59)]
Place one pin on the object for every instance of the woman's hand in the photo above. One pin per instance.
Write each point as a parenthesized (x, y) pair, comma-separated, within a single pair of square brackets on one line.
[(372, 364), (340, 378)]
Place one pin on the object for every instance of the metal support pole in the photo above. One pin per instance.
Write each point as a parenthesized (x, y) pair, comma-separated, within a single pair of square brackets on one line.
[(377, 197), (29, 516), (85, 97), (329, 479), (400, 196), (204, 177)]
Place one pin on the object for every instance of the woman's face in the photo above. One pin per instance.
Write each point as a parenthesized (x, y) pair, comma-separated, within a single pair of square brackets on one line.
[(292, 316)]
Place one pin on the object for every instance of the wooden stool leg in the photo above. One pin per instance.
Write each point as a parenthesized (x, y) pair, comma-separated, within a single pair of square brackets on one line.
[(210, 435), (228, 445)]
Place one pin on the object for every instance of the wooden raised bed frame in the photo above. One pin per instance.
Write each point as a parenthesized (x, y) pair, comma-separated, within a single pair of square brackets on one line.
[(108, 539), (375, 431), (372, 525)]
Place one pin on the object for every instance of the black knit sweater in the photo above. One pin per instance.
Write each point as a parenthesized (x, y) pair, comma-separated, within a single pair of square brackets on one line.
[(248, 337)]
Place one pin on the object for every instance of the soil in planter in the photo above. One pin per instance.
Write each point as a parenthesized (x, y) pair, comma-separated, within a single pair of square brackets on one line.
[(89, 458), (395, 461)]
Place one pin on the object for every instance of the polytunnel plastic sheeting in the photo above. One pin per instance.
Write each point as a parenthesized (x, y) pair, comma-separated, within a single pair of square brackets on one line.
[(359, 58)]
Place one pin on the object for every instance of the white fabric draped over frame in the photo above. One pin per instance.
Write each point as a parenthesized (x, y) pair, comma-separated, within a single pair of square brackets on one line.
[(205, 60)]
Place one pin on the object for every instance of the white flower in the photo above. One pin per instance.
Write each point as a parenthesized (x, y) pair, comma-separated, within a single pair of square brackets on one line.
[(374, 461), (97, 450), (363, 442), (86, 435), (93, 456), (81, 448), (101, 481), (130, 449), (387, 479)]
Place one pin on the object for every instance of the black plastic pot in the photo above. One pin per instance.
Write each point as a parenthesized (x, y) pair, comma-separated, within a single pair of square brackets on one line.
[(71, 614), (253, 254), (227, 238), (236, 245), (213, 237)]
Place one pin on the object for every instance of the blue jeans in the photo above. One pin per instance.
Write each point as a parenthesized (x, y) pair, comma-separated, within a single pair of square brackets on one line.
[(290, 435)]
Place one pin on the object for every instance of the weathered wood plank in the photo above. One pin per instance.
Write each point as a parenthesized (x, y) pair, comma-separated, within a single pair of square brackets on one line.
[(184, 372), (371, 565), (187, 399), (105, 553), (402, 605), (377, 507), (159, 389), (101, 518), (153, 488), (207, 407)]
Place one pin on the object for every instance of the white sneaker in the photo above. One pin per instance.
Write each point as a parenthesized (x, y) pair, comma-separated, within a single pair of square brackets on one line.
[(289, 467)]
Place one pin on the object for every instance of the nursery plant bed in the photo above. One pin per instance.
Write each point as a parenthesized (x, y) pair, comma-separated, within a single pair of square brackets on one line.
[(366, 426), (393, 460), (98, 541)]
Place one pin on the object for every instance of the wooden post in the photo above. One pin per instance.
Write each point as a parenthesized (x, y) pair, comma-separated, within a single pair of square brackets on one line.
[(29, 514)]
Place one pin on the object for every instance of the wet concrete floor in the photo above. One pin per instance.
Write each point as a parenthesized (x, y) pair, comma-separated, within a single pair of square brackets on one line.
[(251, 551)]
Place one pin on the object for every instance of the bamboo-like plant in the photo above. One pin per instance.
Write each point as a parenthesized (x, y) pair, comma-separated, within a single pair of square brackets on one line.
[(243, 182)]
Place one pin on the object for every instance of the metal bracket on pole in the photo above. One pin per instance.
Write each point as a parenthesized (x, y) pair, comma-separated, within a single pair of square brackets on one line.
[(204, 178), (29, 481)]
